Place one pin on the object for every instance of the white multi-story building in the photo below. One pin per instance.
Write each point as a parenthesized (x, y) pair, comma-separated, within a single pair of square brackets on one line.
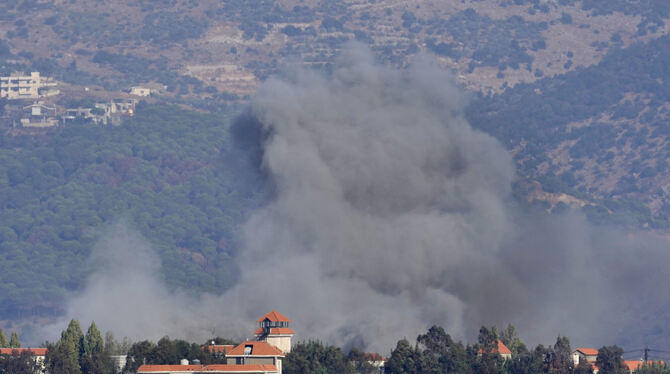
[(33, 86)]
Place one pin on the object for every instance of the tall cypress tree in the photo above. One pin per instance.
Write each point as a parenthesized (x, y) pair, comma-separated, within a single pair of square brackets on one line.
[(93, 343), (95, 359), (3, 339), (14, 340), (63, 357), (75, 334)]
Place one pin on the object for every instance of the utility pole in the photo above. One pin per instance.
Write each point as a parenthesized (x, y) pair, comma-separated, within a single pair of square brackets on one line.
[(646, 354)]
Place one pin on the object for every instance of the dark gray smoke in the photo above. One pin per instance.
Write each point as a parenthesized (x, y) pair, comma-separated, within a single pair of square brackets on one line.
[(391, 213)]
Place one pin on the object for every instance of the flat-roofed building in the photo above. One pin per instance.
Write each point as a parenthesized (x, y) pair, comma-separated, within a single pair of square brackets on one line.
[(33, 86)]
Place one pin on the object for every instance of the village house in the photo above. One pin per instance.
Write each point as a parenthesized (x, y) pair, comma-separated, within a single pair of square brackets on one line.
[(140, 91), (500, 348), (147, 89), (115, 110), (38, 353), (220, 349), (585, 354), (590, 355), (39, 115), (376, 360)]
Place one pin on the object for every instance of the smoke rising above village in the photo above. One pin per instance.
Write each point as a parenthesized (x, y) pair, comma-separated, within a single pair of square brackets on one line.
[(389, 214)]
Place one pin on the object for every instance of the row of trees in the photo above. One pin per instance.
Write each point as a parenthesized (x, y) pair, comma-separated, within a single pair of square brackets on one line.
[(77, 353), (432, 352), (13, 341), (170, 352), (437, 352), (316, 357)]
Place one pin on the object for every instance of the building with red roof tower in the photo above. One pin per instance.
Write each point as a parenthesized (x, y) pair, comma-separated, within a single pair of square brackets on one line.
[(261, 356), (274, 329)]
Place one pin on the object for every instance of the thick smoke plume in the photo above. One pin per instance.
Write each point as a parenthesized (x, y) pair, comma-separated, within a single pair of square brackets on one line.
[(391, 213)]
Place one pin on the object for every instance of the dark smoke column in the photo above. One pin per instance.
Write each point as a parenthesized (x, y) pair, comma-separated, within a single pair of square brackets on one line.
[(387, 201)]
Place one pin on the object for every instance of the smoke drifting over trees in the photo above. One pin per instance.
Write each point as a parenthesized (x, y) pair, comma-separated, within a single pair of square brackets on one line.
[(390, 214)]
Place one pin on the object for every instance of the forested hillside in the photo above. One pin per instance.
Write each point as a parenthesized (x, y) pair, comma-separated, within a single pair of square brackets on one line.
[(168, 172), (576, 90), (600, 133)]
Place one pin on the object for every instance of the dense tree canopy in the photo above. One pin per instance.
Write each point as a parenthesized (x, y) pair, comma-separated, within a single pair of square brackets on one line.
[(314, 357), (19, 363), (14, 341), (169, 352), (609, 360), (172, 174)]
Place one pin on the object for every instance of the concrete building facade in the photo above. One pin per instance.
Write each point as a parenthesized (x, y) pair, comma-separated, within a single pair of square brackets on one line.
[(33, 86)]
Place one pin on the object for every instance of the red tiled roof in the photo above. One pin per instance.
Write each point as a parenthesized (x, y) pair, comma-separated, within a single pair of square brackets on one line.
[(264, 368), (274, 316), (634, 365), (258, 348), (501, 349), (588, 351), (225, 348), (35, 351), (275, 330), (373, 357), (167, 368)]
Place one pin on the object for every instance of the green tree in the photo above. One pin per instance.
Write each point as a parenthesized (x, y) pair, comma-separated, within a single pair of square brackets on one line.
[(95, 358), (561, 362), (112, 346), (489, 361), (360, 362), (14, 340), (93, 343), (3, 339), (511, 339), (165, 352), (526, 362), (19, 363), (62, 358), (315, 358), (609, 360), (653, 368), (138, 355), (404, 359), (440, 352), (584, 367), (74, 334)]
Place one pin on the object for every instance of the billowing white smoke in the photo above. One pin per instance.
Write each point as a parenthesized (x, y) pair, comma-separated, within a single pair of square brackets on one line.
[(391, 214)]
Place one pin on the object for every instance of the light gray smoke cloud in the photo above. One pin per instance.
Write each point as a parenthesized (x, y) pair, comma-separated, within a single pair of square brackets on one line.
[(391, 214)]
